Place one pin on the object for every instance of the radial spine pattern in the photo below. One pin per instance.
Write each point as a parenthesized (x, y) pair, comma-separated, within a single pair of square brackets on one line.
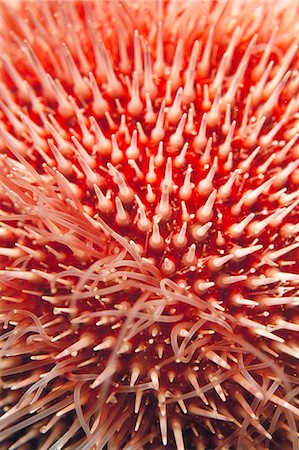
[(149, 172)]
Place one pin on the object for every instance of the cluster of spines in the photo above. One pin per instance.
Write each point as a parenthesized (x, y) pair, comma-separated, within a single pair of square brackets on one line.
[(147, 136)]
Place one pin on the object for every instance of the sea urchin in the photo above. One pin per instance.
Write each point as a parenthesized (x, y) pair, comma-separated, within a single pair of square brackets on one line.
[(149, 172)]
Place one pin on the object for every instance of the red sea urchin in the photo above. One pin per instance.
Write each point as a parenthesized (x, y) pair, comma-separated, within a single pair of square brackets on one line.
[(149, 225)]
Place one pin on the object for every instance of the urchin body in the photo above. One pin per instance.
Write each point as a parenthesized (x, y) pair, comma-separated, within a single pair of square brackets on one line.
[(149, 225)]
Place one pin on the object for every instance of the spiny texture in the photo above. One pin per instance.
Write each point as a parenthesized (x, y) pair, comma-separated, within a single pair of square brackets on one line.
[(149, 225)]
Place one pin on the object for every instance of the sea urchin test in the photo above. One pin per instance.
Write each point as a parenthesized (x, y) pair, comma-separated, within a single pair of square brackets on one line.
[(149, 172)]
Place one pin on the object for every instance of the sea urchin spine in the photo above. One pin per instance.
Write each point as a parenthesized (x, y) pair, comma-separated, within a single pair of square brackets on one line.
[(149, 174)]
